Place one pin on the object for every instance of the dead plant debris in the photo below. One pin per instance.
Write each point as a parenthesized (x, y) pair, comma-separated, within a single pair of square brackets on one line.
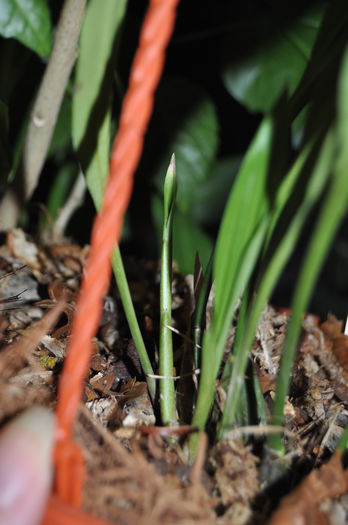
[(135, 473)]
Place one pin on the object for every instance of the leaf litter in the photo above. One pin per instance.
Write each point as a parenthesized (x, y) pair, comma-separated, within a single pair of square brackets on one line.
[(135, 473)]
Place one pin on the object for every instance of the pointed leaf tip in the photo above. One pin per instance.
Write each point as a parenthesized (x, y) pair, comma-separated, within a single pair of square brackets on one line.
[(172, 164)]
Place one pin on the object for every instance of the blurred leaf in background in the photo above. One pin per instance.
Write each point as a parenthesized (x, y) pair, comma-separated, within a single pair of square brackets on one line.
[(28, 21), (279, 55), (187, 124), (91, 110)]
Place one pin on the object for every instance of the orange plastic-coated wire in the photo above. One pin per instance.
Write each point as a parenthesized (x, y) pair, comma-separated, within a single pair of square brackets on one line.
[(126, 151)]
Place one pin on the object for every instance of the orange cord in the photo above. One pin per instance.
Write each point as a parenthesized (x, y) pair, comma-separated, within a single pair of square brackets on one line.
[(136, 111)]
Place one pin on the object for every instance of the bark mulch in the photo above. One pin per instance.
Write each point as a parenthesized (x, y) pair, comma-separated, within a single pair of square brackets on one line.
[(136, 474)]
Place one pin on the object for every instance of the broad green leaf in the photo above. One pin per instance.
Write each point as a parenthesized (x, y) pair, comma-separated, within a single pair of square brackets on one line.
[(325, 58), (29, 22), (185, 121), (92, 95), (189, 239), (275, 63), (211, 195)]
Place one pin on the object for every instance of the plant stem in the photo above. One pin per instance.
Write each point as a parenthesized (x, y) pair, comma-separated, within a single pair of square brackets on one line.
[(166, 364), (122, 285), (198, 315)]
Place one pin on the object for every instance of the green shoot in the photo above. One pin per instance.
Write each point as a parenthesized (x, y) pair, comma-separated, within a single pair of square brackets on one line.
[(198, 316), (166, 364)]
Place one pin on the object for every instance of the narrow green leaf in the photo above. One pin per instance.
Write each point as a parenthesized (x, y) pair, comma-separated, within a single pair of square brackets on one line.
[(247, 205), (242, 232), (29, 22), (269, 275), (333, 210), (199, 314), (214, 342)]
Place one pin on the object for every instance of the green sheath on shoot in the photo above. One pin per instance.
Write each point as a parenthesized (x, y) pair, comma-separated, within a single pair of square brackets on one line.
[(167, 392)]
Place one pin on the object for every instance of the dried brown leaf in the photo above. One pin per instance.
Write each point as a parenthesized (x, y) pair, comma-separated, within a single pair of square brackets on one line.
[(302, 505)]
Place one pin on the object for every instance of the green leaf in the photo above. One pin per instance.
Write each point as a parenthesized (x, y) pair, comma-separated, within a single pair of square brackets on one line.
[(247, 205), (185, 121), (62, 132), (189, 239), (211, 195), (333, 210), (91, 108), (317, 81), (29, 22), (60, 188), (275, 63), (277, 258), (243, 229)]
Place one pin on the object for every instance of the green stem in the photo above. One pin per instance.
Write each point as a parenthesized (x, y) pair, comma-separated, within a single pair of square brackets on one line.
[(127, 303), (199, 313), (166, 364)]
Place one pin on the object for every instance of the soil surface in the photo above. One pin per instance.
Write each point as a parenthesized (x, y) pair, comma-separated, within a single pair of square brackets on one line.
[(137, 472)]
